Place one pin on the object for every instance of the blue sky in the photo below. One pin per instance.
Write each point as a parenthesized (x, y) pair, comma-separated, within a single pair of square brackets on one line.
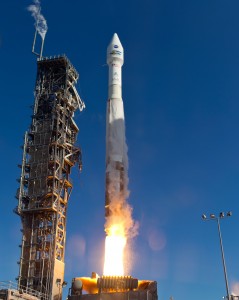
[(181, 97)]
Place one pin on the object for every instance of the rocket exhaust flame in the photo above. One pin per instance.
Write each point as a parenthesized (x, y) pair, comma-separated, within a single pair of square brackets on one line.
[(119, 225), (114, 255)]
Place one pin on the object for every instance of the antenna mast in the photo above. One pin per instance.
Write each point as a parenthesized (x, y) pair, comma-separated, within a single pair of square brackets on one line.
[(34, 44)]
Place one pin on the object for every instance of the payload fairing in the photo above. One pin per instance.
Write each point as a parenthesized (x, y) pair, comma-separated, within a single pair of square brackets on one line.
[(116, 149)]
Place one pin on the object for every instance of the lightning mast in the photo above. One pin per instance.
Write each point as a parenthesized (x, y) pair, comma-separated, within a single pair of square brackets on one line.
[(49, 152)]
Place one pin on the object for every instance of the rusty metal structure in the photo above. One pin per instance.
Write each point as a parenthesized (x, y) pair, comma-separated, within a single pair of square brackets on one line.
[(49, 153)]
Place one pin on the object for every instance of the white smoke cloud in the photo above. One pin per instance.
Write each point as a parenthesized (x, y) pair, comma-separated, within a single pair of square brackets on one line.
[(120, 211), (235, 288), (121, 214), (40, 21)]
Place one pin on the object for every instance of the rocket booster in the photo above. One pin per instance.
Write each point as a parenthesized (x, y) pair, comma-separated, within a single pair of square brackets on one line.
[(116, 149)]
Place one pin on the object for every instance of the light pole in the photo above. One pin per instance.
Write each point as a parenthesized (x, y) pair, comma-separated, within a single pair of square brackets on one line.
[(211, 218), (60, 286)]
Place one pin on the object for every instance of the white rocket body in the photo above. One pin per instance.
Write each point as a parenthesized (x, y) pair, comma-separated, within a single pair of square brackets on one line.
[(116, 149)]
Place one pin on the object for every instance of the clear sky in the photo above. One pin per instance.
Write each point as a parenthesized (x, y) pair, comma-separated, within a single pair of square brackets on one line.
[(181, 97)]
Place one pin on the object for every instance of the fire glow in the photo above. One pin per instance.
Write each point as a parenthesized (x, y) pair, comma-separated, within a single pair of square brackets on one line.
[(115, 242)]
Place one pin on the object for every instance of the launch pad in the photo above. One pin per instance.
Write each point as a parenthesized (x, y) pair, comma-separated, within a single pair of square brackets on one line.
[(112, 288)]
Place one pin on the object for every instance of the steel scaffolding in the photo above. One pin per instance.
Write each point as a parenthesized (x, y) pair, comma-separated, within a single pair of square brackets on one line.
[(45, 186)]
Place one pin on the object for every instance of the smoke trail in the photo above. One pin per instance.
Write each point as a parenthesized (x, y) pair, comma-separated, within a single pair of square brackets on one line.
[(40, 21), (120, 212), (120, 226), (120, 215)]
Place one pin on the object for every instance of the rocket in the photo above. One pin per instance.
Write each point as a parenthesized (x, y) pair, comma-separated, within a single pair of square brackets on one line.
[(116, 149)]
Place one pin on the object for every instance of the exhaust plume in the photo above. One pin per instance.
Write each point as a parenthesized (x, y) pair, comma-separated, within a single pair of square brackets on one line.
[(120, 211), (40, 21), (120, 226)]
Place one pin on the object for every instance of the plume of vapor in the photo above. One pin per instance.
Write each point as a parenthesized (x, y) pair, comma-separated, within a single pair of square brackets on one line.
[(121, 215), (120, 211), (40, 21), (235, 288)]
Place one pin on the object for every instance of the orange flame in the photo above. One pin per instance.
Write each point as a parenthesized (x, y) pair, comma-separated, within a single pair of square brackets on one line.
[(115, 242)]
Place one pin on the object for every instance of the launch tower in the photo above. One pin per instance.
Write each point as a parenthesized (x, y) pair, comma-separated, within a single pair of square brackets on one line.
[(45, 186)]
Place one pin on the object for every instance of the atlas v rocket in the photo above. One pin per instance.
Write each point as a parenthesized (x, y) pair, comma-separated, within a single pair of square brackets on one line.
[(116, 149)]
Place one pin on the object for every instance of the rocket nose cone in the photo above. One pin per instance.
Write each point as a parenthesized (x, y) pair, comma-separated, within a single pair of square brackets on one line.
[(115, 41), (115, 49)]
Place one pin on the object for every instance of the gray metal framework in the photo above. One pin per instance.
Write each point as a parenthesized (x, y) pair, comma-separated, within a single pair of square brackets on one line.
[(49, 152)]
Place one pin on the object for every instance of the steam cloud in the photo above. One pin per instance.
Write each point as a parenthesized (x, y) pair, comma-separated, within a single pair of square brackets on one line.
[(121, 211), (235, 288), (40, 21)]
